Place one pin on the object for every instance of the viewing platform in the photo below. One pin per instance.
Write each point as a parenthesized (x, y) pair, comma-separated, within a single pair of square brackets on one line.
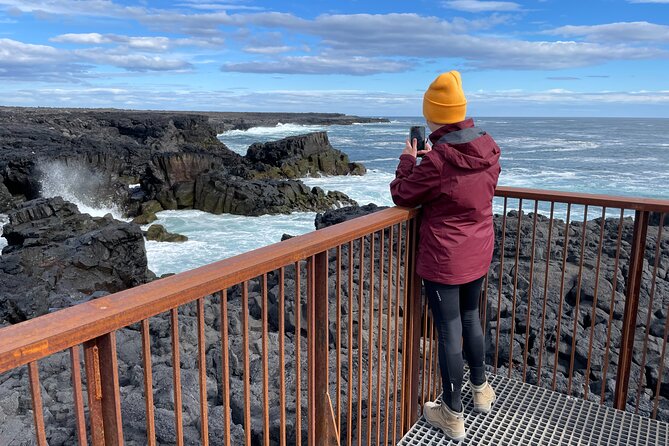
[(529, 415), (325, 339)]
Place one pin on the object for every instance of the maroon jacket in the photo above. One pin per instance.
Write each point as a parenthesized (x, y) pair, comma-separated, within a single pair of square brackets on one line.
[(455, 183)]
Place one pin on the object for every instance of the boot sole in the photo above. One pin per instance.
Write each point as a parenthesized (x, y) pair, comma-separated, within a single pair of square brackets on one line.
[(446, 434), (484, 409), (456, 439)]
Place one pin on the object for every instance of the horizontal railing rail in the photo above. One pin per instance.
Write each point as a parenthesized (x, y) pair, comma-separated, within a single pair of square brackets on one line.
[(611, 201)]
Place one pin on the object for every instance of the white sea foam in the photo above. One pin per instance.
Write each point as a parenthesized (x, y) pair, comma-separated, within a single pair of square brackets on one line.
[(529, 144), (539, 179), (378, 159), (272, 131), (77, 185), (239, 140), (215, 237), (4, 219), (370, 188)]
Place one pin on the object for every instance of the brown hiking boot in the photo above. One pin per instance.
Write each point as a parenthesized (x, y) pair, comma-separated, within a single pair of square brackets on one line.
[(484, 396), (442, 417)]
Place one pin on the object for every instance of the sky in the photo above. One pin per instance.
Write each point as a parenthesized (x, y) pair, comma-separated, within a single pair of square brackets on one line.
[(373, 58)]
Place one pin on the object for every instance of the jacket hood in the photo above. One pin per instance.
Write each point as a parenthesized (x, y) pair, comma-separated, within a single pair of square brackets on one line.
[(478, 154), (471, 156)]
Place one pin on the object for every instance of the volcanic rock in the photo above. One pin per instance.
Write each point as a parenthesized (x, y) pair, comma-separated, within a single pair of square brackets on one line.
[(299, 156), (97, 154), (160, 234), (56, 254), (335, 216), (525, 321), (218, 193), (7, 201), (104, 149)]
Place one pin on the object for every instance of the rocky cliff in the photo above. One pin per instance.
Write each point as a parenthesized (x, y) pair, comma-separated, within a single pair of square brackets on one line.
[(224, 121), (300, 156), (175, 157)]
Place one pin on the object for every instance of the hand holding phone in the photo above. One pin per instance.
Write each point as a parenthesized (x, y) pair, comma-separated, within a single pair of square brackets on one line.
[(417, 132)]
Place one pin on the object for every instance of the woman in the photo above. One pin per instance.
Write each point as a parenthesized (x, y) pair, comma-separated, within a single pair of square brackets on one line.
[(455, 184)]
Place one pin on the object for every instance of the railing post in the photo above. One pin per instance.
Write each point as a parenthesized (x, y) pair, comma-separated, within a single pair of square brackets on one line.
[(631, 307), (104, 400), (325, 427), (413, 314)]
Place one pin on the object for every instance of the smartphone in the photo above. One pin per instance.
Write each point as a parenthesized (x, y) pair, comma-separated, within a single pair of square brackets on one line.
[(418, 132)]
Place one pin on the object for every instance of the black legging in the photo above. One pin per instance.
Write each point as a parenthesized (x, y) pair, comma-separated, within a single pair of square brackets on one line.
[(455, 310)]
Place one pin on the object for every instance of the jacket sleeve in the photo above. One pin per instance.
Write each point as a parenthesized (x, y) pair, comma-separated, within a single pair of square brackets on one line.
[(415, 184)]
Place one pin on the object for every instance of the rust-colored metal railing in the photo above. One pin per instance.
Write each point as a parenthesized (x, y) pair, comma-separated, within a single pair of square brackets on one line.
[(368, 262), (569, 305)]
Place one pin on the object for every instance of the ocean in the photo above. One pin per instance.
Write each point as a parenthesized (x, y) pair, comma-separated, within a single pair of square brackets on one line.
[(595, 155)]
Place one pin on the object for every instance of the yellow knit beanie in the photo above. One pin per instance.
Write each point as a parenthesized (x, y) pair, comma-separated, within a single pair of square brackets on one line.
[(444, 101)]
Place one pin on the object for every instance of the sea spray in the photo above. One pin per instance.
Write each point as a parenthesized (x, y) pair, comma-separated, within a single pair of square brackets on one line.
[(90, 190), (4, 219)]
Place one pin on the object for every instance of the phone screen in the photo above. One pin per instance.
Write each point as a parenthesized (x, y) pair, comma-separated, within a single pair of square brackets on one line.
[(418, 132)]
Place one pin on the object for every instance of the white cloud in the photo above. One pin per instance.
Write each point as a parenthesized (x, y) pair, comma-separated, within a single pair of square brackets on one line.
[(19, 52), (323, 64), (84, 38), (371, 42), (617, 32), (384, 35), (22, 61), (89, 8), (268, 49), (216, 6), (148, 44), (481, 6), (562, 96), (133, 62)]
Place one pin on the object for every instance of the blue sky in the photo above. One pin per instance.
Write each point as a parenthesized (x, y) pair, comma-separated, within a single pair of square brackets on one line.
[(524, 58)]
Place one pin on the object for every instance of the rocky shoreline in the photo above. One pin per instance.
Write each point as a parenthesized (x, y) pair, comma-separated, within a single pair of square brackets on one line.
[(141, 162), (174, 157), (219, 121)]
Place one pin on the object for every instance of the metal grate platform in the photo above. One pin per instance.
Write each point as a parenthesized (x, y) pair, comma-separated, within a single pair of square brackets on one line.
[(528, 415)]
